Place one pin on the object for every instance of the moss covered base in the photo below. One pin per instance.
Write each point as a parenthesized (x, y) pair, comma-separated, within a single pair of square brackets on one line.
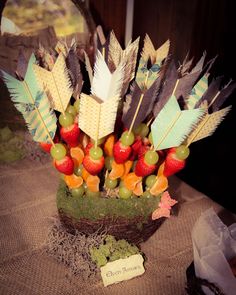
[(125, 219)]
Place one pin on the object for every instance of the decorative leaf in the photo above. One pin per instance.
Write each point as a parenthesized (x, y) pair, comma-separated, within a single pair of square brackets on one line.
[(56, 82), (106, 85), (140, 104), (97, 118), (164, 206), (167, 88), (208, 125), (197, 92), (33, 104), (172, 125)]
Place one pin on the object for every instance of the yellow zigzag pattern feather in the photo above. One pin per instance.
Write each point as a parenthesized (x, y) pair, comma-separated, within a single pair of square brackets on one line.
[(208, 125), (97, 118), (56, 83)]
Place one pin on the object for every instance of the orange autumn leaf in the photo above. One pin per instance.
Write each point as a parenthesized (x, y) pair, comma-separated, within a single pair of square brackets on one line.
[(77, 155), (128, 165), (73, 181), (117, 170), (93, 183), (138, 190), (108, 145), (131, 180)]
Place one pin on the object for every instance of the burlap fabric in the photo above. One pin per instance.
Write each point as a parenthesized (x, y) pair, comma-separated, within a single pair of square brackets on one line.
[(27, 203)]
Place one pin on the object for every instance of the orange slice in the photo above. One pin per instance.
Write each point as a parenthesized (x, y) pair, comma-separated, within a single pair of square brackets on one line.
[(93, 183), (108, 145), (77, 155), (128, 165), (131, 180), (138, 190), (117, 170), (85, 174), (73, 181), (161, 183)]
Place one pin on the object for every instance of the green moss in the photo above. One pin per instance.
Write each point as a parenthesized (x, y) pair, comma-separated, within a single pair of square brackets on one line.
[(96, 208)]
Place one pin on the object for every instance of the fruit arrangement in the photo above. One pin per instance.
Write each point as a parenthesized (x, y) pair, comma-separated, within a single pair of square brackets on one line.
[(121, 127)]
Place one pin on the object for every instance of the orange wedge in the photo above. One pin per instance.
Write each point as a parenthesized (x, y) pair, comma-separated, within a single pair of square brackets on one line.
[(138, 190), (85, 174), (77, 155), (93, 183), (159, 186), (131, 180), (128, 165), (73, 181), (117, 170), (108, 145)]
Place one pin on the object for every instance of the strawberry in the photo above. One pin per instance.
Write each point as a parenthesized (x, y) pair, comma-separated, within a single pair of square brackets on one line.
[(65, 165), (70, 134), (135, 149), (172, 164), (143, 149), (143, 169), (93, 166), (88, 147), (121, 152), (47, 146)]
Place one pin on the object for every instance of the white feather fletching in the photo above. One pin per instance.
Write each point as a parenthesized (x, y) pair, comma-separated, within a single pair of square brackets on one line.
[(97, 118), (106, 85)]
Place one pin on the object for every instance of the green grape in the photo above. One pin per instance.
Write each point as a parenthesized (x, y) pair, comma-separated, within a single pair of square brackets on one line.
[(58, 151), (151, 157), (78, 170), (144, 130), (137, 130), (121, 184), (124, 192), (96, 153), (147, 194), (150, 180), (66, 120), (76, 105), (77, 192), (92, 194), (108, 161), (182, 152), (99, 141), (111, 183), (150, 137), (71, 110), (127, 138)]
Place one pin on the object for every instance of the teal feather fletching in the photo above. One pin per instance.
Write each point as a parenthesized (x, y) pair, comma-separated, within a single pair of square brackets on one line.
[(197, 92), (33, 103), (172, 125), (143, 72)]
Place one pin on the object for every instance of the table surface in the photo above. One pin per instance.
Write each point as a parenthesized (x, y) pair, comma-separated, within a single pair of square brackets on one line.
[(27, 205)]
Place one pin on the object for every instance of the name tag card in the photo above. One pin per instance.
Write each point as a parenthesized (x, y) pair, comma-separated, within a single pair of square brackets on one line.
[(122, 270)]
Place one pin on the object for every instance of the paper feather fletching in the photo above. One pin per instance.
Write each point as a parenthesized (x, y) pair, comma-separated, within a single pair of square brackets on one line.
[(21, 65), (105, 84), (88, 67), (208, 125), (145, 106), (56, 82), (97, 118), (156, 56), (33, 104), (172, 125)]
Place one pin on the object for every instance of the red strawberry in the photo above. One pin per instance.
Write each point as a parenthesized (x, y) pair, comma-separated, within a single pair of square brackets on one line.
[(121, 152), (135, 149), (93, 166), (172, 164), (70, 134), (65, 165), (47, 146), (143, 149), (88, 147), (143, 169)]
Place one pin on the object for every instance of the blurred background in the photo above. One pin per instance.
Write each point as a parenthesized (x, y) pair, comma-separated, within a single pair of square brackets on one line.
[(192, 26)]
